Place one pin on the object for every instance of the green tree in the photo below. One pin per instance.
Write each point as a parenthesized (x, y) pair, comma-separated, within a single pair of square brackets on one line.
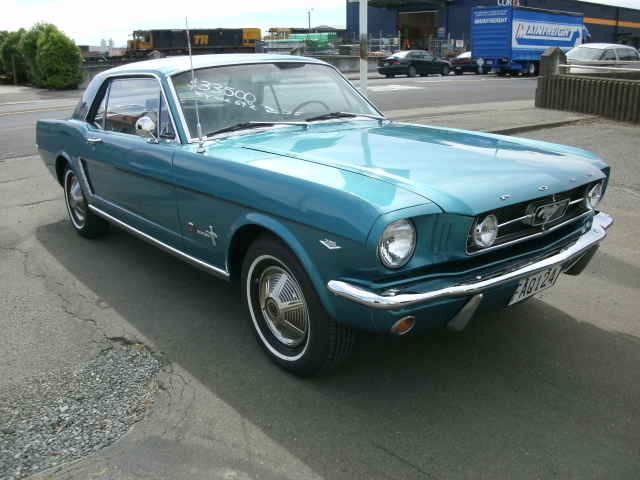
[(58, 60), (10, 47), (3, 35), (28, 47)]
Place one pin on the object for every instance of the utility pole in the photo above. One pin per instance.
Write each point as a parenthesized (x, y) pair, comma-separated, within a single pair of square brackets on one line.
[(364, 50)]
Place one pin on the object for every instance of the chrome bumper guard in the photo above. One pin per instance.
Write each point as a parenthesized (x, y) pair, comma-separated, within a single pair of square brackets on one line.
[(573, 252)]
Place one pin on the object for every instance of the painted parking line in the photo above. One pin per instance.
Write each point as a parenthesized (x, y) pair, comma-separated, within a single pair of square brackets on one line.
[(35, 111), (391, 88)]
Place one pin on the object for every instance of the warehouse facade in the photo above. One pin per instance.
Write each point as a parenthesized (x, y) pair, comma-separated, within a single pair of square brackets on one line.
[(419, 22)]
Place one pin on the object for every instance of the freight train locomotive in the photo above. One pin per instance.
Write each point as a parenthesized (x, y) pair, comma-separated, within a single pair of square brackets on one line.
[(205, 40)]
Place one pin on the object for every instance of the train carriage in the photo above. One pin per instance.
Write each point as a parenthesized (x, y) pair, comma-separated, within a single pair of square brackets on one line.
[(203, 41)]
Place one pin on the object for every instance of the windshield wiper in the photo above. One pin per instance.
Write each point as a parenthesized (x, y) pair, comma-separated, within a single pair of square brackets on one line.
[(332, 115), (247, 125)]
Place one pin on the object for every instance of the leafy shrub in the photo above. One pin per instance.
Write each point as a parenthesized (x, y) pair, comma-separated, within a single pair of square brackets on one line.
[(3, 35), (58, 60), (29, 48), (10, 47)]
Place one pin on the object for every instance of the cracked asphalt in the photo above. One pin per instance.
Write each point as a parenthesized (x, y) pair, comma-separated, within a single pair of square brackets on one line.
[(546, 389)]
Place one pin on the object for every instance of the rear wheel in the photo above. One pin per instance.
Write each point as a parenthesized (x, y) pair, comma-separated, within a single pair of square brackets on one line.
[(445, 70), (84, 221), (411, 71), (532, 69), (287, 317)]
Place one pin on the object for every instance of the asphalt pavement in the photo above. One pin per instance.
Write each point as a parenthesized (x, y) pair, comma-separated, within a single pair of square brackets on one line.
[(547, 389)]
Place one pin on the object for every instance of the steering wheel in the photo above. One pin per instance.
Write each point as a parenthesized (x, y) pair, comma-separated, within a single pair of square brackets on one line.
[(307, 103)]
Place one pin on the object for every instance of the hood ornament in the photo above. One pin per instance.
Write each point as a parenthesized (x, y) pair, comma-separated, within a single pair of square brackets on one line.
[(542, 188)]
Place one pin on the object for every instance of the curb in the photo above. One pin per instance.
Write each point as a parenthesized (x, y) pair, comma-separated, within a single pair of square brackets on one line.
[(541, 126)]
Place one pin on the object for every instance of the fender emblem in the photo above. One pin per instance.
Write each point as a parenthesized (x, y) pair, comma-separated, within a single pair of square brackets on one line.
[(210, 234), (330, 244), (504, 197)]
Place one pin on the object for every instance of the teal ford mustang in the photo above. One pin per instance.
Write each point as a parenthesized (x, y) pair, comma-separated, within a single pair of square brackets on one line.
[(274, 172)]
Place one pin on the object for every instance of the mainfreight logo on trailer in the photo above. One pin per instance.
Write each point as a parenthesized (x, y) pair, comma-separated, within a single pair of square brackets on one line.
[(534, 34)]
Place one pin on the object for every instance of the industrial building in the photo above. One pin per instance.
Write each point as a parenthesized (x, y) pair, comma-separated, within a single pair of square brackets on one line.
[(423, 23)]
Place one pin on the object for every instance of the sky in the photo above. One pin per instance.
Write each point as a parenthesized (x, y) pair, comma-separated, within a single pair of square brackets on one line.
[(87, 22)]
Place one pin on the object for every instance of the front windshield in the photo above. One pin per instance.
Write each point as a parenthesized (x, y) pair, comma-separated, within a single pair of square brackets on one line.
[(585, 53), (268, 92)]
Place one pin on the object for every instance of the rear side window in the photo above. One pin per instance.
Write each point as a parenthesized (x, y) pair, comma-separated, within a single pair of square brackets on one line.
[(627, 54), (609, 55)]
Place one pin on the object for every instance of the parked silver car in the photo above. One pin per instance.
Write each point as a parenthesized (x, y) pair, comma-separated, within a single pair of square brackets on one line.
[(602, 55)]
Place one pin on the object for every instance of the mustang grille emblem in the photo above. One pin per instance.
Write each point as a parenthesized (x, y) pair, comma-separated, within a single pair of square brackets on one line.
[(550, 212)]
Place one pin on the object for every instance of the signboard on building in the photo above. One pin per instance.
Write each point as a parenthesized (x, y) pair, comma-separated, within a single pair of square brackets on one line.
[(459, 43), (442, 32)]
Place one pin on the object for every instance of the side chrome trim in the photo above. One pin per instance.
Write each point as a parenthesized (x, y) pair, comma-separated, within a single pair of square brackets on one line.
[(372, 300), (84, 176), (215, 271)]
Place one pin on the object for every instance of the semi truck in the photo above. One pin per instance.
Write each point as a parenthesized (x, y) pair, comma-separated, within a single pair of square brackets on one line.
[(511, 40)]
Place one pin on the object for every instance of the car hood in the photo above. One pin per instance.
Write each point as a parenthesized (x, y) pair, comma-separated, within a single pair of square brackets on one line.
[(461, 171)]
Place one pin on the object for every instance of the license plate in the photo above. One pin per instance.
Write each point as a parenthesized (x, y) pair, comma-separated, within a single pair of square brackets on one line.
[(489, 62), (535, 283), (386, 64), (458, 68)]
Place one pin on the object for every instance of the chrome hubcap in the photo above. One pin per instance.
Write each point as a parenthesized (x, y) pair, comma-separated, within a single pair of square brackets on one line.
[(283, 306), (76, 199)]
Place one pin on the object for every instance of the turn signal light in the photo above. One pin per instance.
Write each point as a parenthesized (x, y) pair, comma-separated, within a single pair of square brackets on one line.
[(403, 326)]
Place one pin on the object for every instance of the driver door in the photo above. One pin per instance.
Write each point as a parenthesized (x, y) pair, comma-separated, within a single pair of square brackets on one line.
[(131, 175)]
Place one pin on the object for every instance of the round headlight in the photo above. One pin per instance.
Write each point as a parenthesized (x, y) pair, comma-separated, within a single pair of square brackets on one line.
[(594, 195), (486, 231), (397, 243)]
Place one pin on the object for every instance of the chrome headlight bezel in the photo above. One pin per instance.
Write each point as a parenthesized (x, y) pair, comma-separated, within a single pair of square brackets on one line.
[(390, 255), (594, 195), (485, 232)]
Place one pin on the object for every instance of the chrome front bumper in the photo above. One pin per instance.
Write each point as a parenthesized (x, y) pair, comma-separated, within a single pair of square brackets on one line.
[(572, 252)]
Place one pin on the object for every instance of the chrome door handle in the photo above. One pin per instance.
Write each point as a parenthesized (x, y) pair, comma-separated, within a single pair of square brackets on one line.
[(93, 140)]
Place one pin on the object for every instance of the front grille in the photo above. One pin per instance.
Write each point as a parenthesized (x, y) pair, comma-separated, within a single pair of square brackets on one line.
[(519, 230)]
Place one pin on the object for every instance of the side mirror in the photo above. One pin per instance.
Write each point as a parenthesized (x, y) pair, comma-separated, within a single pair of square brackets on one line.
[(145, 128)]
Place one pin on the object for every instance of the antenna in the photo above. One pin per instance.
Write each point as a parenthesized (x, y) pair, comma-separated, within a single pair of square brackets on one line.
[(195, 87)]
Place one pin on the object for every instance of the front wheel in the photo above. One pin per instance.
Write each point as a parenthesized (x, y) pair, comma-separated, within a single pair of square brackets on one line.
[(84, 221), (287, 317), (445, 70)]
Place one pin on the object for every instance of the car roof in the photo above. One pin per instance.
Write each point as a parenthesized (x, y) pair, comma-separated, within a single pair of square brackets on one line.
[(603, 45), (171, 65)]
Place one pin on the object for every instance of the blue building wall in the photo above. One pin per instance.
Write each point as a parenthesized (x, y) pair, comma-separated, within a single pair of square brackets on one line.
[(605, 23)]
